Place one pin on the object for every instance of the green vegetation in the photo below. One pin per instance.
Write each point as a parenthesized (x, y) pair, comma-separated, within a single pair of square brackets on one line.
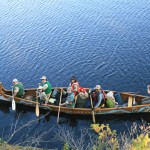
[(106, 137), (5, 146)]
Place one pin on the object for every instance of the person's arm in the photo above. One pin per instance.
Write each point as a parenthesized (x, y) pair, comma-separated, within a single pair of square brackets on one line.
[(45, 86), (148, 89), (63, 104), (100, 97), (91, 91), (16, 90)]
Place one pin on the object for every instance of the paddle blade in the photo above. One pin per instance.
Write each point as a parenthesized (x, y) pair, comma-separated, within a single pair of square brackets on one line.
[(13, 105), (37, 111)]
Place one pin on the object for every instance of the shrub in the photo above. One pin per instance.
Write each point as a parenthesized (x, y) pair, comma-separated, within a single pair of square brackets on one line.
[(107, 137)]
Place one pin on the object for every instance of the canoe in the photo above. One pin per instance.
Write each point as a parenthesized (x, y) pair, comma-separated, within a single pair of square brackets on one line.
[(127, 98)]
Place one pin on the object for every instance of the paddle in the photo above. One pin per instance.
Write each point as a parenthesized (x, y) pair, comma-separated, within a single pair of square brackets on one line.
[(37, 110), (13, 101), (75, 99), (59, 106), (93, 115)]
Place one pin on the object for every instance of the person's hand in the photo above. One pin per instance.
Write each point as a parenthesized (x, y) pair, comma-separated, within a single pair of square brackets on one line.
[(93, 109), (89, 91), (148, 86)]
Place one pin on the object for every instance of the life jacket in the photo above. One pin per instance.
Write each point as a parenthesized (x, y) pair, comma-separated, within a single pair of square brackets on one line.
[(48, 90), (21, 89), (72, 86), (81, 89), (94, 95), (104, 94)]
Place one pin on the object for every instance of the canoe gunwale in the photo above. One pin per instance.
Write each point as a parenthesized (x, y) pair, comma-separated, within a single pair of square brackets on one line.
[(84, 111)]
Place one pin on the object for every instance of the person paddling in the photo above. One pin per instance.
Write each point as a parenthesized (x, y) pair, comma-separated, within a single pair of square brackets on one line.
[(147, 99), (18, 89), (46, 87), (70, 103), (42, 95), (97, 96)]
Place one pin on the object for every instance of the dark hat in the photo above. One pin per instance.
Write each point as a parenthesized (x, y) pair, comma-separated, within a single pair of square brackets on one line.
[(73, 78)]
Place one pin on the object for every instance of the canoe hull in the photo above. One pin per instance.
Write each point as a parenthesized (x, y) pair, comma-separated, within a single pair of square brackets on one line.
[(6, 96)]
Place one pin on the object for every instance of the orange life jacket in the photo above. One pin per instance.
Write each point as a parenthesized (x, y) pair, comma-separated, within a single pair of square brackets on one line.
[(79, 88), (72, 86)]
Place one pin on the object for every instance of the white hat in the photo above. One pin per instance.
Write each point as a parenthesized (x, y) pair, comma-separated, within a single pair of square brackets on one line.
[(40, 88), (98, 87), (43, 77), (15, 80), (110, 94)]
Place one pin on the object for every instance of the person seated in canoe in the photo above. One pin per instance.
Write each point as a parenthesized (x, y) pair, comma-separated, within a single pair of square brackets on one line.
[(74, 84), (69, 99), (42, 95), (110, 100), (18, 89), (81, 99), (98, 97), (146, 100), (46, 87)]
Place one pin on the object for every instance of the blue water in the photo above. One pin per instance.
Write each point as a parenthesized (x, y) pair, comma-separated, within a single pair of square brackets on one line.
[(102, 42)]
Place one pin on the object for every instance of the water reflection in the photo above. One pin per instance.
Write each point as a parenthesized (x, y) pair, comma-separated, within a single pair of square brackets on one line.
[(5, 107)]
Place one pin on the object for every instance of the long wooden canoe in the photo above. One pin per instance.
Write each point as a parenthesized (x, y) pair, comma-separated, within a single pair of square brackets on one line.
[(127, 97)]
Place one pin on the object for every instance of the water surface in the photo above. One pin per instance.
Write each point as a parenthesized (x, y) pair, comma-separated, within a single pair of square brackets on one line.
[(100, 41)]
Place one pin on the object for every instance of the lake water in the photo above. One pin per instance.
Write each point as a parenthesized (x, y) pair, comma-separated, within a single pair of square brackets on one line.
[(102, 42)]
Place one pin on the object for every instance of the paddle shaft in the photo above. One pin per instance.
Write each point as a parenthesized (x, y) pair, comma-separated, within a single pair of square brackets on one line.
[(93, 115), (59, 106), (37, 110), (13, 101)]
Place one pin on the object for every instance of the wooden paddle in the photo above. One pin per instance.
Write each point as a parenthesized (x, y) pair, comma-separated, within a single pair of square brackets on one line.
[(37, 110), (59, 106), (93, 115), (75, 99), (13, 101)]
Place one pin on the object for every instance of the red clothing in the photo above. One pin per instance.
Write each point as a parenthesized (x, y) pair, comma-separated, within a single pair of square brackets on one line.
[(75, 87)]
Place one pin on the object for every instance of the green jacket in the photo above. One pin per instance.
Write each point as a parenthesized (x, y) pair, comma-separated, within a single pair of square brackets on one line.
[(110, 103), (21, 90), (49, 89)]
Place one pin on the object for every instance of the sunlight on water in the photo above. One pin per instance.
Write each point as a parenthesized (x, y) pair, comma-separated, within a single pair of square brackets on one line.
[(101, 42)]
